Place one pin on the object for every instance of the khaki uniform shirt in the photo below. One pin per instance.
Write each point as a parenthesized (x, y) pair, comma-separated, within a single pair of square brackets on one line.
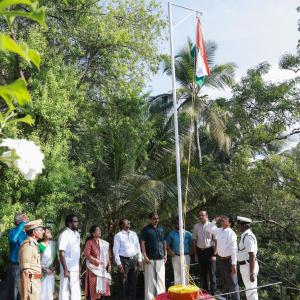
[(29, 256), (30, 260)]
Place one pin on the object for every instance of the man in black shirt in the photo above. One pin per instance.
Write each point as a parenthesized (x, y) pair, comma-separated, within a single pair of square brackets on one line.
[(154, 250)]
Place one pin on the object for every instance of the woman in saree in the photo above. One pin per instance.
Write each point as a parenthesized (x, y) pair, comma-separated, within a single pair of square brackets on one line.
[(97, 279), (48, 250)]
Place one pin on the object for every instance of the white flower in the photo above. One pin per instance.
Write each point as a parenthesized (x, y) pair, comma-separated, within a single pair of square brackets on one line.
[(25, 155)]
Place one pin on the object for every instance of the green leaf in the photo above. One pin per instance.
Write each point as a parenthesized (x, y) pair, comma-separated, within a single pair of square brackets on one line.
[(10, 21), (34, 57), (8, 44), (7, 3), (27, 119), (37, 15), (16, 91)]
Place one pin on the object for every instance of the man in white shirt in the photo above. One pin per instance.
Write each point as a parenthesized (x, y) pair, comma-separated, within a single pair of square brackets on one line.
[(69, 255), (204, 246), (247, 251), (227, 252), (127, 253)]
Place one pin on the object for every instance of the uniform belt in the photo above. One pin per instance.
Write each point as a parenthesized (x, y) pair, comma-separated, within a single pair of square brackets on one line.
[(130, 257), (179, 254), (224, 257), (243, 262), (35, 276)]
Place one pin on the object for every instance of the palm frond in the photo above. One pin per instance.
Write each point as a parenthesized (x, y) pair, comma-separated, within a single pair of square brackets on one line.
[(217, 128), (221, 77), (210, 47)]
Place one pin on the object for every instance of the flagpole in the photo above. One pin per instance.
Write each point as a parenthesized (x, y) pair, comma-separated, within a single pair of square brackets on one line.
[(177, 148)]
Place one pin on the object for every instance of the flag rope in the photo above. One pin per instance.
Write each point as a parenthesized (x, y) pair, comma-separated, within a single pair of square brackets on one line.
[(190, 279)]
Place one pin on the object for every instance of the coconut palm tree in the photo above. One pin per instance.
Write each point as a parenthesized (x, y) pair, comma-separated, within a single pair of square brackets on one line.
[(202, 110)]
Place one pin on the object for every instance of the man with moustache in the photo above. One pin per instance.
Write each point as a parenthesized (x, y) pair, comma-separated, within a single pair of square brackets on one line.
[(204, 247), (154, 249), (127, 253), (30, 262), (227, 253), (69, 256), (247, 251)]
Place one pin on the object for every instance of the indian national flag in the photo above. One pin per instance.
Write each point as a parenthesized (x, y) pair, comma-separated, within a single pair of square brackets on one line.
[(201, 65)]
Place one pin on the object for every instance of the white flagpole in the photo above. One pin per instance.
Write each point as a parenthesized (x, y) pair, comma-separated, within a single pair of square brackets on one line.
[(181, 245)]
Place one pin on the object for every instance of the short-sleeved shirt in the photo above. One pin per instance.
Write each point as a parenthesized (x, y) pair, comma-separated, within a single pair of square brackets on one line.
[(248, 243), (203, 238), (69, 242), (173, 240), (154, 238), (29, 256)]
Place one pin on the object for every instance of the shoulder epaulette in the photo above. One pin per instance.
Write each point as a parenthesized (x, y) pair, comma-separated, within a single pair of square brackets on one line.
[(25, 242)]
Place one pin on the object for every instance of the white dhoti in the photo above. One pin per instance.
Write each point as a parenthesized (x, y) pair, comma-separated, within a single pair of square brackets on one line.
[(154, 278), (245, 272), (48, 255), (177, 269), (47, 290), (69, 287)]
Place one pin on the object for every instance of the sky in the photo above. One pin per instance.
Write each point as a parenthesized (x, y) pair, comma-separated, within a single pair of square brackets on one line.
[(247, 32)]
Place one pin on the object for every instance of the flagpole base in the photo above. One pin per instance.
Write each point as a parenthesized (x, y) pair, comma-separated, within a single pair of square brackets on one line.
[(188, 292)]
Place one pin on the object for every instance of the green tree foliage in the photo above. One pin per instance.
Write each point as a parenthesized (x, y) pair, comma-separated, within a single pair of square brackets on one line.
[(14, 96), (93, 56), (16, 93), (291, 61), (124, 133), (263, 111), (88, 109), (262, 176)]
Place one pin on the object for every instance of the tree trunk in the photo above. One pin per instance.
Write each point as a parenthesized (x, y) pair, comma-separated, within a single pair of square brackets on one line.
[(197, 142)]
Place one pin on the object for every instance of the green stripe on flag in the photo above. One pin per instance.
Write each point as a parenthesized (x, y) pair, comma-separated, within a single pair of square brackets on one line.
[(198, 80)]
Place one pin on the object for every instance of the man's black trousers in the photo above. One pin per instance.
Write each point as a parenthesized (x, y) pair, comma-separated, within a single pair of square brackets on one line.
[(129, 278), (207, 268)]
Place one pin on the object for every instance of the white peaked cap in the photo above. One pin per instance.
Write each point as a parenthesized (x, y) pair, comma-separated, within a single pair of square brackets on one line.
[(244, 220)]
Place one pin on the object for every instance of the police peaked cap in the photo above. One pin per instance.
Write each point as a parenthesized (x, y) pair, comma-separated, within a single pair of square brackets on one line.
[(243, 220)]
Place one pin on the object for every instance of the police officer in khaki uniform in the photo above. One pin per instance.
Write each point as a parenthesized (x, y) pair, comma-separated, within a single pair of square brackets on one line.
[(30, 262)]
